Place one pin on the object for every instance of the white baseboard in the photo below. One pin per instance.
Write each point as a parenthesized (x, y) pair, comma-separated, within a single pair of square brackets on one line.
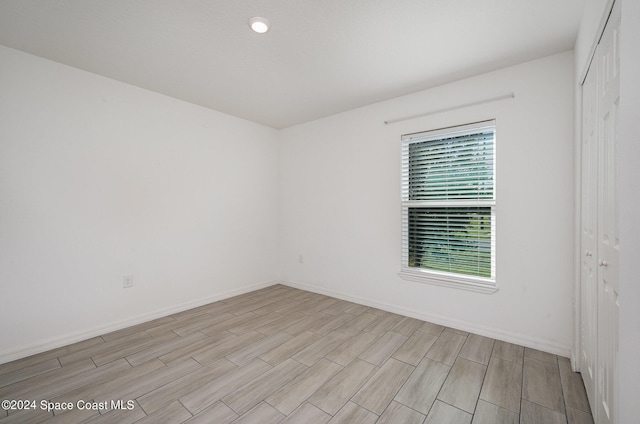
[(56, 342), (519, 339), (535, 343)]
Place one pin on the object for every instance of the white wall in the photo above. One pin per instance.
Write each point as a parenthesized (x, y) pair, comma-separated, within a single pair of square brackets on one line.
[(99, 179), (629, 194), (340, 204)]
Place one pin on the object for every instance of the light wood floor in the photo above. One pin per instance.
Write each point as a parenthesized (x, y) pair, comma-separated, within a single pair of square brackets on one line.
[(282, 355)]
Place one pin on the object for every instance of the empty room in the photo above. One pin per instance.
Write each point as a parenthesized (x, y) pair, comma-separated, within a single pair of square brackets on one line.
[(311, 211)]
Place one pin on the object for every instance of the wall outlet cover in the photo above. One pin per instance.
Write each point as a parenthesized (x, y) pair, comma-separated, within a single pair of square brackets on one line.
[(127, 281)]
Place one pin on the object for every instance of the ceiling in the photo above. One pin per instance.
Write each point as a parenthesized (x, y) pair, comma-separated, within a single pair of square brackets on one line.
[(319, 58)]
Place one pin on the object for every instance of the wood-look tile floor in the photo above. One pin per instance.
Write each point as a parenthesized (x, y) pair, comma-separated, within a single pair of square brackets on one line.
[(282, 355)]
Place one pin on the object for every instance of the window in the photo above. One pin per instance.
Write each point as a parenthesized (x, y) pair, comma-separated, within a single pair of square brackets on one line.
[(448, 207)]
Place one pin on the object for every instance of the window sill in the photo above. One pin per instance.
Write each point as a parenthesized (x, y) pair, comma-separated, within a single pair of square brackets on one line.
[(477, 285)]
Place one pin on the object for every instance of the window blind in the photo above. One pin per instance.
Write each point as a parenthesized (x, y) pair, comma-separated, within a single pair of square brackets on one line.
[(448, 194)]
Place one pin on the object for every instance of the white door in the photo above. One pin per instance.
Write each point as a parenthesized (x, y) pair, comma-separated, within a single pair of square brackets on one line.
[(600, 241), (608, 235), (589, 236)]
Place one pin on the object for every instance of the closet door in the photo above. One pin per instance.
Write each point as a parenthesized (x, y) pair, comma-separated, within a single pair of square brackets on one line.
[(589, 235), (608, 235), (600, 241)]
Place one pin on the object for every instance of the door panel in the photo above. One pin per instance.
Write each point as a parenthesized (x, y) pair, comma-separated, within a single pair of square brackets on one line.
[(588, 228), (608, 235), (599, 238)]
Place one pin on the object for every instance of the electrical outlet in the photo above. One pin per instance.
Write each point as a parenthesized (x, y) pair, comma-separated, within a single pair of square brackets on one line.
[(127, 281), (300, 259)]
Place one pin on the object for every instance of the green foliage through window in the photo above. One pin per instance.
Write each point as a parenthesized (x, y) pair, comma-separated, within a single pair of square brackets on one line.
[(449, 199), (454, 240)]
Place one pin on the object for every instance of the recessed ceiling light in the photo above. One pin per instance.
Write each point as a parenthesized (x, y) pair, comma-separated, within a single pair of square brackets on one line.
[(259, 25)]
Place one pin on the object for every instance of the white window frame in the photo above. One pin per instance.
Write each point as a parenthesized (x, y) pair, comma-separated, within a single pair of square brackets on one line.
[(448, 279)]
